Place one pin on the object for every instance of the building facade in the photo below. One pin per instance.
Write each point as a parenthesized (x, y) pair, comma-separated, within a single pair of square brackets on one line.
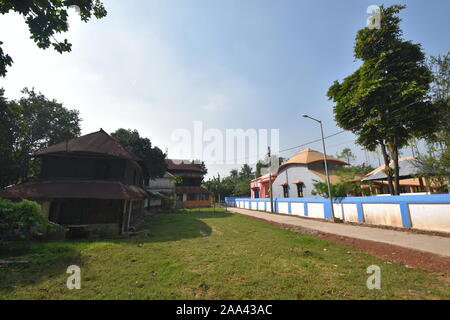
[(159, 188), (296, 176), (375, 182), (189, 192), (88, 184), (260, 187)]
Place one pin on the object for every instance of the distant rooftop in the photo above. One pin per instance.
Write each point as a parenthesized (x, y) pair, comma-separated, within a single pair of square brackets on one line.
[(407, 170), (173, 164), (97, 142), (308, 156)]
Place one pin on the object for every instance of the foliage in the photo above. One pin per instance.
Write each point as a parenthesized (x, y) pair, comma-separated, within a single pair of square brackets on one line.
[(338, 190), (153, 157), (45, 18), (440, 96), (170, 264), (201, 165), (237, 184), (383, 102), (28, 125), (23, 219), (177, 179), (349, 182), (259, 166), (347, 155), (435, 166), (246, 172)]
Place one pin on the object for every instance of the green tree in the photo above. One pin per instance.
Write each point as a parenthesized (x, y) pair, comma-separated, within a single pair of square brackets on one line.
[(440, 96), (349, 182), (434, 165), (153, 157), (384, 102), (235, 185), (201, 165), (28, 125), (259, 166), (234, 174), (347, 155), (246, 171), (46, 18)]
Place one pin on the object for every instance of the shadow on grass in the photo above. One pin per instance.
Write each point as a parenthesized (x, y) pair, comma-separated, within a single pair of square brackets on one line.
[(31, 263), (183, 224), (47, 260)]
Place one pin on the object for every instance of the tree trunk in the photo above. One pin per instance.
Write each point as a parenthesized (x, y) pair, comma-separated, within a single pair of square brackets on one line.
[(386, 163), (396, 166)]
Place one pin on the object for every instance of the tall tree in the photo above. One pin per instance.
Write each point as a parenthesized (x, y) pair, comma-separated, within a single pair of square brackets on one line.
[(201, 165), (347, 155), (153, 157), (435, 164), (234, 174), (246, 171), (440, 96), (259, 166), (384, 102), (45, 18), (28, 125)]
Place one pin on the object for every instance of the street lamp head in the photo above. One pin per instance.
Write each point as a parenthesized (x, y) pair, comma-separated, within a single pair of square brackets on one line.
[(305, 116)]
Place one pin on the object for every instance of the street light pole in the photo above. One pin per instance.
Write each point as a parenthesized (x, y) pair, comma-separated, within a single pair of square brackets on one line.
[(330, 196), (270, 179)]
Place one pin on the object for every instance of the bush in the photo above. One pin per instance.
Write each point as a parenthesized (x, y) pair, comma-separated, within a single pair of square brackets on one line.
[(23, 219), (338, 190)]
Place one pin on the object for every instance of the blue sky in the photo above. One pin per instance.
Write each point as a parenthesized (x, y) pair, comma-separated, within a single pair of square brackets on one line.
[(159, 65)]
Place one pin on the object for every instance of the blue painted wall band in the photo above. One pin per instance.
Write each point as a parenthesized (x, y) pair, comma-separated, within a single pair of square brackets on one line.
[(359, 208), (406, 219)]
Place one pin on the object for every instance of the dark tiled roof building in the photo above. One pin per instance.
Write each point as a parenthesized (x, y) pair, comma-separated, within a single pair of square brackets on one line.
[(87, 183)]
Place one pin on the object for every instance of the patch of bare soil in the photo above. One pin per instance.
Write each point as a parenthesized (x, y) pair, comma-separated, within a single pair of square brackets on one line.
[(405, 256)]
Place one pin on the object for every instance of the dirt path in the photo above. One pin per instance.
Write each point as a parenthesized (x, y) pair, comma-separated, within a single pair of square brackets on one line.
[(416, 250)]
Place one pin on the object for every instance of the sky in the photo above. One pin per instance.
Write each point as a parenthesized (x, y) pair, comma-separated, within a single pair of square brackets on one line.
[(160, 65)]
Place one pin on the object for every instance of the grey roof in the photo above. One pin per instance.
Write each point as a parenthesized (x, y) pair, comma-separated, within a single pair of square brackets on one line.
[(407, 169)]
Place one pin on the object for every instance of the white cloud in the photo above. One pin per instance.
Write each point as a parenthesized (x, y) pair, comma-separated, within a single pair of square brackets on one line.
[(122, 78)]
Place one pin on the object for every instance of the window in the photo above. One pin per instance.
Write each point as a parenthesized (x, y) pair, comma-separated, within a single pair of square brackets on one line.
[(299, 190), (286, 191), (203, 196)]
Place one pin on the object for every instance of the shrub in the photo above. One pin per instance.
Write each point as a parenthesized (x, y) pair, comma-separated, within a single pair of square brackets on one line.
[(338, 190), (23, 219)]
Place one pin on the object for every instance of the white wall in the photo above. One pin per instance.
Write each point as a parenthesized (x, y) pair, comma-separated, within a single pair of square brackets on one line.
[(283, 207), (260, 205), (434, 217), (425, 216), (316, 210), (386, 214), (298, 209)]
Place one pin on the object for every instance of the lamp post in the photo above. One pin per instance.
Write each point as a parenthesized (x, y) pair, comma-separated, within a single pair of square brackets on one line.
[(326, 165)]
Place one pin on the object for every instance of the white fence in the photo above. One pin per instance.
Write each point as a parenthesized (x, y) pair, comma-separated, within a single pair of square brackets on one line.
[(423, 212)]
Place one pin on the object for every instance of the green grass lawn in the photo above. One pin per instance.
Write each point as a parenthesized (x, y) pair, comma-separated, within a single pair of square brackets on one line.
[(201, 254)]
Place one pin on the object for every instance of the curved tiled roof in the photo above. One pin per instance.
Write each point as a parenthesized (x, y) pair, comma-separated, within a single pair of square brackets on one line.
[(184, 165), (97, 142), (74, 189), (308, 156)]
